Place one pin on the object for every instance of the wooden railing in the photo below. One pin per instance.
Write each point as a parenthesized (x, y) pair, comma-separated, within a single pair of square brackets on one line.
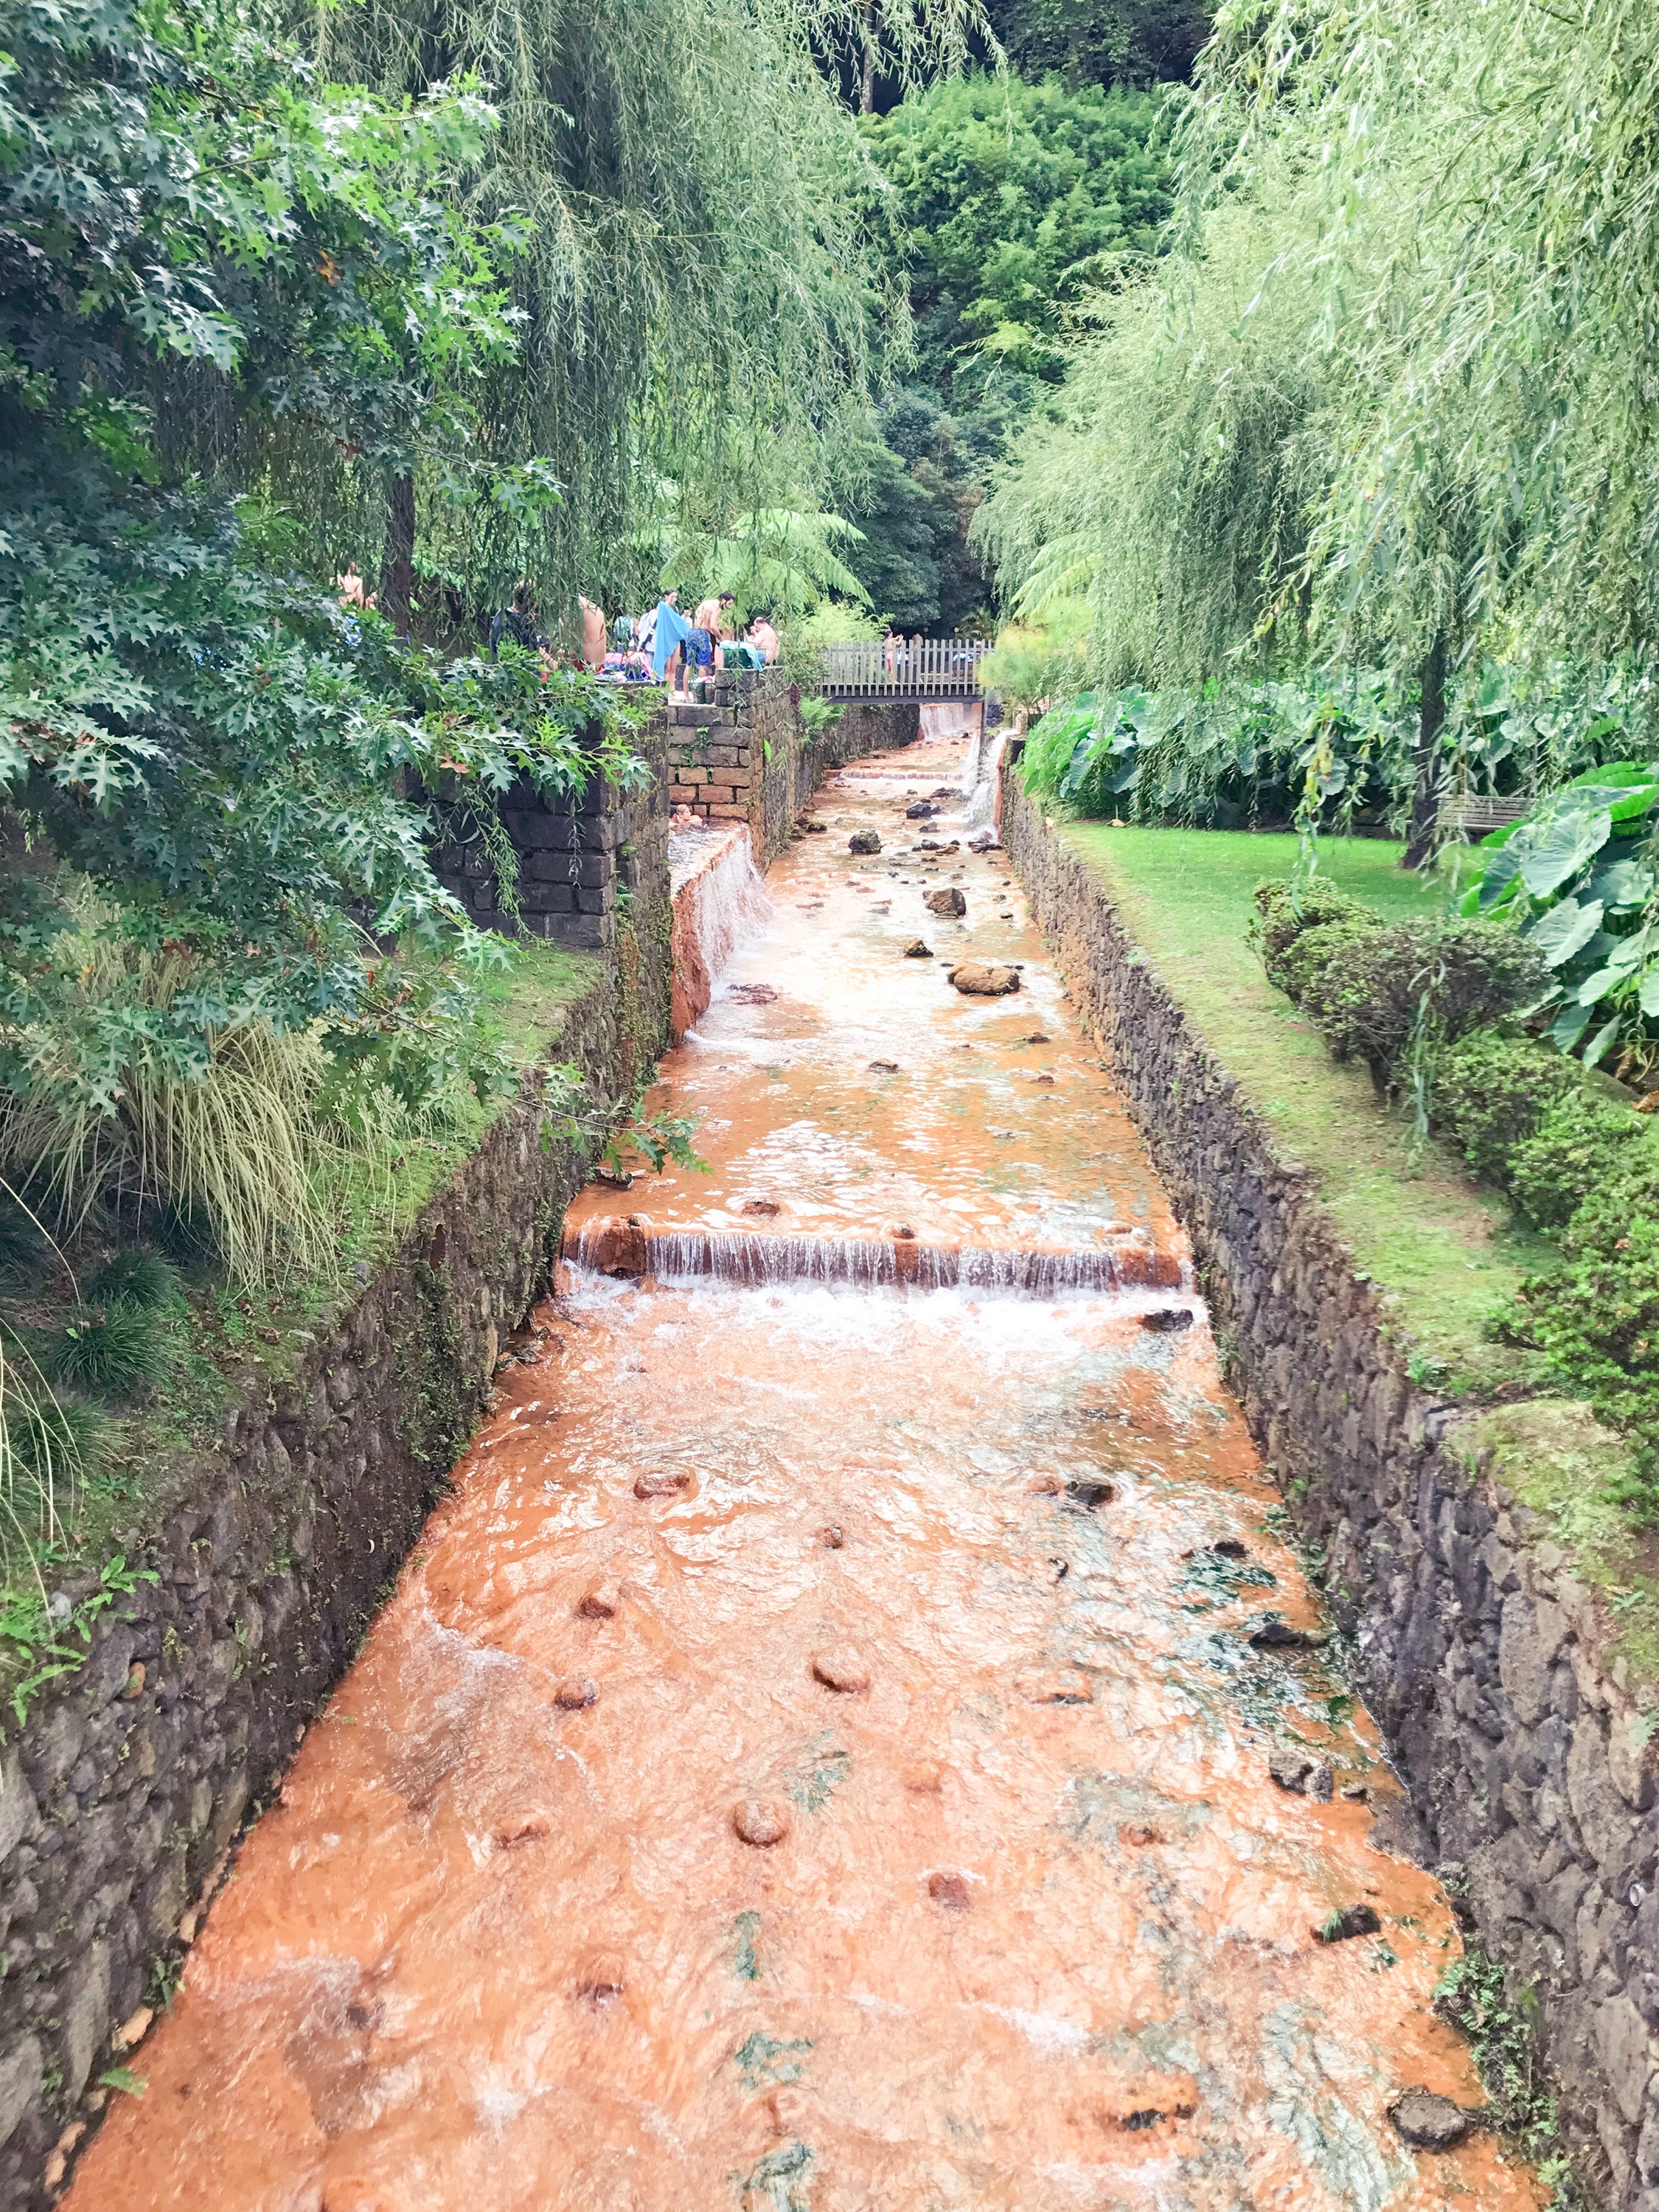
[(905, 668)]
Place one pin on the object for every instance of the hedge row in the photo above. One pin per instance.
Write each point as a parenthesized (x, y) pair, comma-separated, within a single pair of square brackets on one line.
[(1435, 1011)]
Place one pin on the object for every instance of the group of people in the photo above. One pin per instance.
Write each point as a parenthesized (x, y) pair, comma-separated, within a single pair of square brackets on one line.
[(680, 653), (659, 646), (656, 647)]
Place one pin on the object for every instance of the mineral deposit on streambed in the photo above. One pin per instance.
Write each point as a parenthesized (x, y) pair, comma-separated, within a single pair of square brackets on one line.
[(817, 1759)]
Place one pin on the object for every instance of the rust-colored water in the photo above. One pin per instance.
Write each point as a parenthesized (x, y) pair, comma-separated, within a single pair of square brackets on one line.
[(1036, 1928)]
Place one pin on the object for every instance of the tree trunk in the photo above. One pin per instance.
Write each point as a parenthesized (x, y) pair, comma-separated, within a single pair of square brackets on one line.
[(867, 85), (1421, 840), (398, 563)]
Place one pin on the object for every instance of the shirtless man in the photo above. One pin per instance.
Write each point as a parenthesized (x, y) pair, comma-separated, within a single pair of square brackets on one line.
[(592, 632), (761, 633)]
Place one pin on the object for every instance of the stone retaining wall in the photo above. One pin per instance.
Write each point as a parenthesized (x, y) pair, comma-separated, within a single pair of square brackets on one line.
[(581, 858), (1487, 1663), (745, 755), (122, 1795)]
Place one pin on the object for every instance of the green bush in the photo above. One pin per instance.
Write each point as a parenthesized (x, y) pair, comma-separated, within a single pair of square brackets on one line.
[(1285, 910), (1302, 965), (1420, 979), (1578, 1145), (1491, 1092), (1596, 1317)]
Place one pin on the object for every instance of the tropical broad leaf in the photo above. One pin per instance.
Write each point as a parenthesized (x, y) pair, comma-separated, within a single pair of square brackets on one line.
[(1622, 885), (1564, 930), (1501, 880), (1598, 1044), (1569, 1026), (1562, 843)]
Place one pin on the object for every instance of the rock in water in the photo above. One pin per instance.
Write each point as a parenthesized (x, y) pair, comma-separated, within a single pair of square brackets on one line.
[(947, 902), (1167, 1321), (920, 811), (662, 1486), (842, 1671), (1279, 1635), (977, 980), (601, 1602), (578, 1691), (1299, 1770), (1091, 1494), (761, 1822), (916, 950), (950, 1890), (1428, 2122), (1352, 1920), (864, 841)]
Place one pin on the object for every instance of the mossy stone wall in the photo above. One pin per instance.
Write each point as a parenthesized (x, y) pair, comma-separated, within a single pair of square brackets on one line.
[(1492, 1665), (125, 1791)]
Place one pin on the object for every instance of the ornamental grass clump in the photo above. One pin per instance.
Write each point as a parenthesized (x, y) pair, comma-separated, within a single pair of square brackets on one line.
[(126, 1106)]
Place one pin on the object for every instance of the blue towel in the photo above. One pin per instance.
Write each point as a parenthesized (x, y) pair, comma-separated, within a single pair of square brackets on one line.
[(672, 632)]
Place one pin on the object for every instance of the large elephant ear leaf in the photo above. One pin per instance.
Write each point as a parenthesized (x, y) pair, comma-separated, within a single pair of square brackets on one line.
[(1634, 803), (1565, 929), (1503, 873), (1565, 845), (1611, 773)]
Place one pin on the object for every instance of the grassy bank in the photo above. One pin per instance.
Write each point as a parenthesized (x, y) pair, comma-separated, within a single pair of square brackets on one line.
[(1443, 1251), (208, 1335)]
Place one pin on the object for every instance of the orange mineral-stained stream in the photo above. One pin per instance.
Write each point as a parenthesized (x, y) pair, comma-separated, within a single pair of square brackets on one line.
[(816, 1759)]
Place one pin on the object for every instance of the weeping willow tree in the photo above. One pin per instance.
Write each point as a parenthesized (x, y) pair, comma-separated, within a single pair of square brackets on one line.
[(1391, 396), (698, 306), (1170, 489)]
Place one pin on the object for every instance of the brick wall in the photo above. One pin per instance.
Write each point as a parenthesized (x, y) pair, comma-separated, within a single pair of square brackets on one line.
[(745, 755), (574, 855)]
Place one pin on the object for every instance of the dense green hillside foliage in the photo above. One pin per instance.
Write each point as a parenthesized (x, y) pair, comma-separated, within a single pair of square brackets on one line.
[(1007, 203)]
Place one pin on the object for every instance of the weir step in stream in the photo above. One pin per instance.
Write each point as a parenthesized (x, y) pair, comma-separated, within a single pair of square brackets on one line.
[(857, 1734)]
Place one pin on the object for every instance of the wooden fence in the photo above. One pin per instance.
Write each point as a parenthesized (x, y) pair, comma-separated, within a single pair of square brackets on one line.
[(905, 668)]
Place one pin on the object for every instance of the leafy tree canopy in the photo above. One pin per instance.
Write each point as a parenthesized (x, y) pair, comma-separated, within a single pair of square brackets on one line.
[(1102, 41), (1007, 204), (1009, 201)]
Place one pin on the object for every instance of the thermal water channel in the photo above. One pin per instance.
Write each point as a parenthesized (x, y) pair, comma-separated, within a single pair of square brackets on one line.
[(817, 1758)]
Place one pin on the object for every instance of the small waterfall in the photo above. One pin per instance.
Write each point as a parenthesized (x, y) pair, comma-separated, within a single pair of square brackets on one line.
[(981, 809), (718, 900), (756, 1258)]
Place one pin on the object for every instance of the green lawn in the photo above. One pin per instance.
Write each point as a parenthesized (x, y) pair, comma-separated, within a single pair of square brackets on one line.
[(1446, 1250)]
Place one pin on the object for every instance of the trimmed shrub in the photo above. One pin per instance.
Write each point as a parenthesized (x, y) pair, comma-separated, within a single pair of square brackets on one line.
[(1303, 963), (1578, 1145), (1596, 1317), (1442, 978), (1491, 1092), (1284, 911)]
